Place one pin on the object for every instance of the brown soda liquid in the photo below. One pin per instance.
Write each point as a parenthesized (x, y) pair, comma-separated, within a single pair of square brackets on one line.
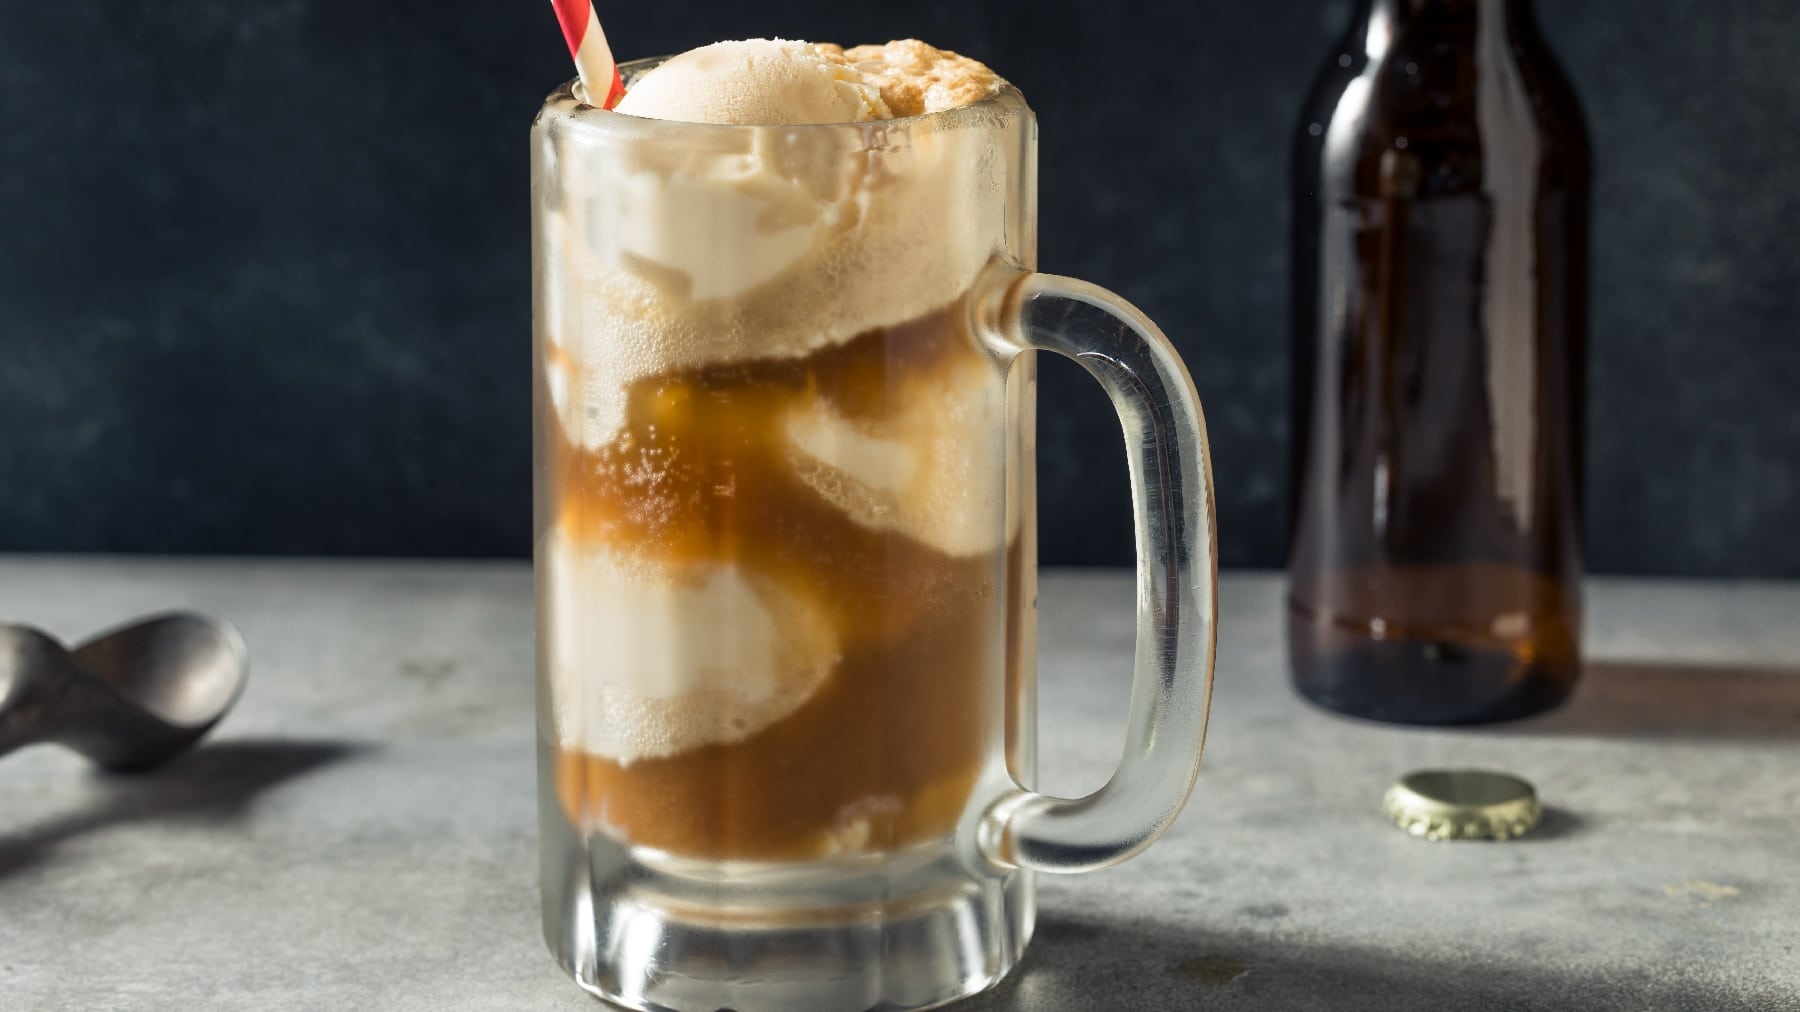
[(887, 750), (1440, 238)]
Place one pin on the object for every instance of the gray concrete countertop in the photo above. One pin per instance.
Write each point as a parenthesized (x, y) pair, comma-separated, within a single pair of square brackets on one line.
[(359, 834)]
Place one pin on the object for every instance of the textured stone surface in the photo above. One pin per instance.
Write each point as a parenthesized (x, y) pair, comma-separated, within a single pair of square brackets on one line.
[(264, 267), (360, 833)]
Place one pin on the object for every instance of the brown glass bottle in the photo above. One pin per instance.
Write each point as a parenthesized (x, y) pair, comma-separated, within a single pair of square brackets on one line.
[(1440, 304)]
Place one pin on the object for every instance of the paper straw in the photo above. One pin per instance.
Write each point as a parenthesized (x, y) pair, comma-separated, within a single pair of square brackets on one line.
[(587, 44)]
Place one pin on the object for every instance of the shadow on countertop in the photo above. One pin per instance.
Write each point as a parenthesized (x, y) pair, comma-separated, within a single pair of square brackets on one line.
[(215, 782), (1657, 699), (1087, 965)]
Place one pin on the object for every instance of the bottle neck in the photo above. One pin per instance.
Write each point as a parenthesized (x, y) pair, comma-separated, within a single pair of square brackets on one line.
[(1413, 10), (1380, 22), (1449, 14)]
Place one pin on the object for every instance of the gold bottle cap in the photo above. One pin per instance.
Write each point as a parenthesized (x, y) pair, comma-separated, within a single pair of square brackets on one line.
[(1462, 805)]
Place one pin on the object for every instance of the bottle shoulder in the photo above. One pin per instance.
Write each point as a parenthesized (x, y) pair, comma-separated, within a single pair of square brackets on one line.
[(1454, 110)]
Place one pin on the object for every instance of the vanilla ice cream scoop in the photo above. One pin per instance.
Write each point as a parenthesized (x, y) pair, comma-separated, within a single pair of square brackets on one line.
[(755, 82), (931, 468), (648, 661)]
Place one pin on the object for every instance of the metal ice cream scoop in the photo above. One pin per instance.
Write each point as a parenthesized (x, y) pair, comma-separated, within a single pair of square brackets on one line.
[(128, 698)]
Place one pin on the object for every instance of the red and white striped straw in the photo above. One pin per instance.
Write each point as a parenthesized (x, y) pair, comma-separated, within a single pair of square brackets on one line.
[(587, 44)]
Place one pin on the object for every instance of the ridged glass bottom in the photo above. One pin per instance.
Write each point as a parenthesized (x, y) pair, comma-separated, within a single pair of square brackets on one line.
[(908, 930)]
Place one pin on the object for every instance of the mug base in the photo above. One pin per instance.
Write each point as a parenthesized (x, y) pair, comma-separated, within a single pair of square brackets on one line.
[(910, 931), (913, 928)]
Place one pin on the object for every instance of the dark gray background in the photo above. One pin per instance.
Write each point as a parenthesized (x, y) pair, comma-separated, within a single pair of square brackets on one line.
[(264, 270)]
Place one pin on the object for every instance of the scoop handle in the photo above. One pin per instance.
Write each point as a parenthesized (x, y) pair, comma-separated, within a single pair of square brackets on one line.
[(35, 675)]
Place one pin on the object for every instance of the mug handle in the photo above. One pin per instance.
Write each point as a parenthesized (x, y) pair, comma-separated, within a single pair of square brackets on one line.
[(1177, 573)]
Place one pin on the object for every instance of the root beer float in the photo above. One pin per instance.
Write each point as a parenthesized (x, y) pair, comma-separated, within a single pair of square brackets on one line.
[(771, 536)]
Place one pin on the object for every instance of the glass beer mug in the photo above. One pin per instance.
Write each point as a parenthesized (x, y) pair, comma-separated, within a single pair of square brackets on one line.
[(786, 569)]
